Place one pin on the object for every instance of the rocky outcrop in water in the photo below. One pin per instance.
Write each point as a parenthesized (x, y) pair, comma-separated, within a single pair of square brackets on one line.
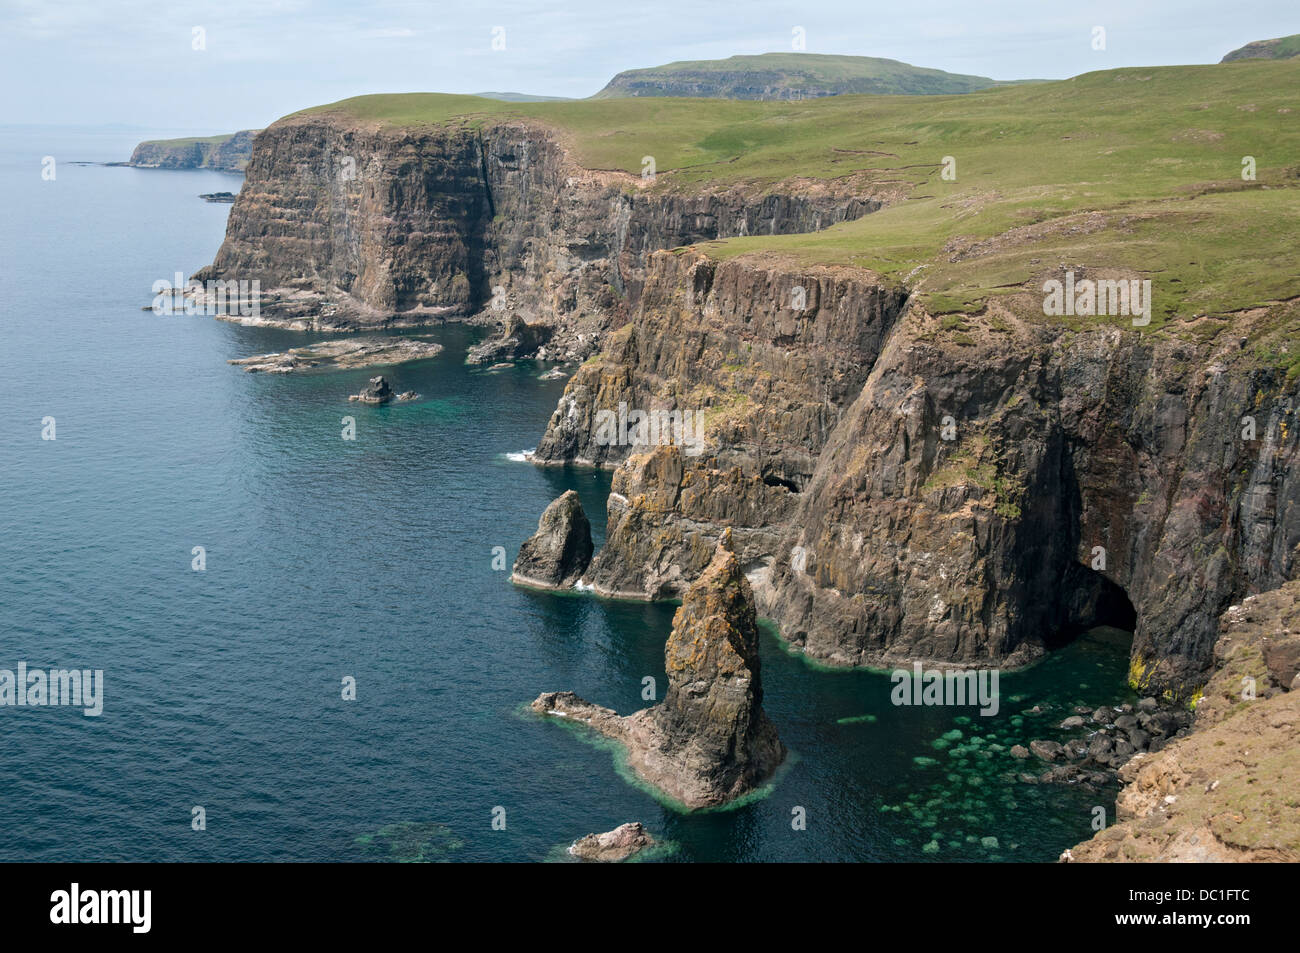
[(708, 742), (348, 224), (619, 844), (557, 555), (1226, 791), (377, 391)]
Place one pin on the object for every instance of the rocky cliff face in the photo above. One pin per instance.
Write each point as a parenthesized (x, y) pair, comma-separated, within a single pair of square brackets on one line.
[(741, 374), (222, 153), (347, 224), (708, 742), (902, 488), (1087, 472)]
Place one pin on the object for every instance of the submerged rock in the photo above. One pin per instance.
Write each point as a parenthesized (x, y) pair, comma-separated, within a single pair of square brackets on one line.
[(708, 742), (378, 391), (340, 354), (619, 844), (556, 556)]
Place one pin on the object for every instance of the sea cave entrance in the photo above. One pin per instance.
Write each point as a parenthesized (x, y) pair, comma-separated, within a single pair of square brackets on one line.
[(1091, 601)]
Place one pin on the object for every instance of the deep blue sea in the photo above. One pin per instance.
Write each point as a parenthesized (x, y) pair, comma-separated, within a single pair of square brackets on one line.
[(370, 559)]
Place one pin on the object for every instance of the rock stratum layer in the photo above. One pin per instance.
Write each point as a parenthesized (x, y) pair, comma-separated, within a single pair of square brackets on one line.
[(708, 742), (348, 224)]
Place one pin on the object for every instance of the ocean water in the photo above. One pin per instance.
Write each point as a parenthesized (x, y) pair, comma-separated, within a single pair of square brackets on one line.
[(372, 559)]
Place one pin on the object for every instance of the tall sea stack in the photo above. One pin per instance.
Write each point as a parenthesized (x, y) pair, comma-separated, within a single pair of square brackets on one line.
[(708, 742)]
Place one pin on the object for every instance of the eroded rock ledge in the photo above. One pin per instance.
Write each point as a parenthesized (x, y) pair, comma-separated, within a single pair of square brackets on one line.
[(708, 742), (341, 354)]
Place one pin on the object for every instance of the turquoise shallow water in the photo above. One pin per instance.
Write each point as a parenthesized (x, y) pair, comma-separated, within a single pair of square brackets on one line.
[(371, 559)]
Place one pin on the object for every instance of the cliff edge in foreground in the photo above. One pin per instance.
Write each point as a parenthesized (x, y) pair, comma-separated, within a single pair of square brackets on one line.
[(1230, 791)]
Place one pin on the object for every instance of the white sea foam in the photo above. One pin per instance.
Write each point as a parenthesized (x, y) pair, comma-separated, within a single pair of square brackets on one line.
[(523, 456)]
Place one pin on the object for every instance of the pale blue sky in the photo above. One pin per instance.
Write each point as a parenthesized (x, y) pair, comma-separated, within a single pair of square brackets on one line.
[(132, 61)]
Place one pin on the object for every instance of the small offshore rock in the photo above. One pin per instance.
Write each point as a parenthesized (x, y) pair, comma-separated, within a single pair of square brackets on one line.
[(612, 846), (378, 391)]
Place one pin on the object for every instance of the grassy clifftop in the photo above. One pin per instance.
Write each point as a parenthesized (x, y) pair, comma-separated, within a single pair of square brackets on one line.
[(1138, 170)]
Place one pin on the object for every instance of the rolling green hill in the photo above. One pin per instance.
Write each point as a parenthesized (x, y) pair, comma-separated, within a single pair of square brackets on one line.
[(788, 76), (1282, 48)]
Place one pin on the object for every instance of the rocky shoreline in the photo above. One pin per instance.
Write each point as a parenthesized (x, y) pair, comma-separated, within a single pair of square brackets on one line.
[(1225, 791), (898, 477), (1107, 738)]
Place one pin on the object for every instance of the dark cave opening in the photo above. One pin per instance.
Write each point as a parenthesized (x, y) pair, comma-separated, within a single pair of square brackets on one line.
[(1092, 601), (771, 479)]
